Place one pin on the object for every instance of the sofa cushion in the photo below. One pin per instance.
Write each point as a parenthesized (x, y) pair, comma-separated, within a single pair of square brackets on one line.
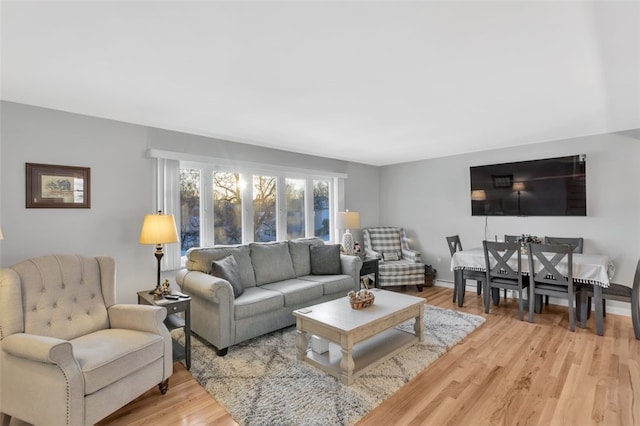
[(325, 260), (271, 262), (200, 258), (227, 269), (109, 355), (300, 254), (255, 301), (332, 284), (297, 291)]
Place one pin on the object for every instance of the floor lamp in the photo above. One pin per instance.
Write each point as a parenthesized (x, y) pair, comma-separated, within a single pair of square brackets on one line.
[(158, 229)]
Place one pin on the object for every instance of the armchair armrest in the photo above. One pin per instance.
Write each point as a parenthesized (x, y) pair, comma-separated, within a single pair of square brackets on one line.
[(412, 255), (44, 349), (45, 368), (138, 317), (369, 253)]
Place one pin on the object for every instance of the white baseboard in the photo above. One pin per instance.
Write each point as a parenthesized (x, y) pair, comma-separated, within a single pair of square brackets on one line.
[(613, 307)]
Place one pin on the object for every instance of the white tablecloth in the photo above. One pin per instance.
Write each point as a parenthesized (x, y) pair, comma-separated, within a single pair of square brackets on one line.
[(588, 268)]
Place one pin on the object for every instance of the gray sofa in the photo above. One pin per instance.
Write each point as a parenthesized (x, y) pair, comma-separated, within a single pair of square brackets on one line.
[(273, 280)]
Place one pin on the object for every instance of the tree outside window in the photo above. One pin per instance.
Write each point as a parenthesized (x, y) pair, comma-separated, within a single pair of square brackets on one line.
[(264, 208), (190, 209), (227, 208), (294, 189), (321, 212)]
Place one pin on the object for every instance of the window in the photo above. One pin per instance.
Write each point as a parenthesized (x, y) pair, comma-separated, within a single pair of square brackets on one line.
[(227, 208), (189, 209), (295, 207), (220, 206), (264, 208)]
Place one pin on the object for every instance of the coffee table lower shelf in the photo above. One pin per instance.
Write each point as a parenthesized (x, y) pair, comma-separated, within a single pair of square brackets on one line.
[(366, 354)]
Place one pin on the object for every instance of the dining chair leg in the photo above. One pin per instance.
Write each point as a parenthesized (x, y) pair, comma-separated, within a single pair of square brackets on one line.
[(520, 305), (531, 301), (479, 289), (457, 278), (581, 309), (635, 315), (461, 290), (572, 313), (495, 296), (597, 295)]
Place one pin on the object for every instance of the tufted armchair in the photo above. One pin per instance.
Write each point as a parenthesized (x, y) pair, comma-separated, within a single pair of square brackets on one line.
[(68, 354), (399, 265)]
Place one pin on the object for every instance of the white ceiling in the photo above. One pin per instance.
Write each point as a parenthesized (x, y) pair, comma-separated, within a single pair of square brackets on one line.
[(372, 82)]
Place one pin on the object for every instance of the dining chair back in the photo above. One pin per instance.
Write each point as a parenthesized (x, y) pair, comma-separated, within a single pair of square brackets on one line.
[(511, 238), (546, 278), (503, 266), (454, 244), (577, 243), (618, 292)]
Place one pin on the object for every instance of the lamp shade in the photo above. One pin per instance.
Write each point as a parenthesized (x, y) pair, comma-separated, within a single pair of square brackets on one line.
[(478, 195), (348, 220), (518, 186), (158, 229)]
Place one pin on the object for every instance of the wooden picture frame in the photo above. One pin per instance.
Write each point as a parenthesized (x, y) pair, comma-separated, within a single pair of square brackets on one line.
[(53, 186)]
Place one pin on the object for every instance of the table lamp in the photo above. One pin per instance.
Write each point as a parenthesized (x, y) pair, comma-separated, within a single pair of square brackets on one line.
[(348, 220), (158, 229)]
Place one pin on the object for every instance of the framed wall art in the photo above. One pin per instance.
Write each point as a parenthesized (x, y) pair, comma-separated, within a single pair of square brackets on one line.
[(53, 186)]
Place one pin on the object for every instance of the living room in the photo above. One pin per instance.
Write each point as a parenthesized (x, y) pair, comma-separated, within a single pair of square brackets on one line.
[(426, 194)]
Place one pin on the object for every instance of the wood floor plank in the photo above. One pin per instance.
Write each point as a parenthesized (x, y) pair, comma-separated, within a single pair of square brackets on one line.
[(507, 372)]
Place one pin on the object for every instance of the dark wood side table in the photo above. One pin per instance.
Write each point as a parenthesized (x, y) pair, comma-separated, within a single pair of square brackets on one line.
[(183, 304), (370, 266)]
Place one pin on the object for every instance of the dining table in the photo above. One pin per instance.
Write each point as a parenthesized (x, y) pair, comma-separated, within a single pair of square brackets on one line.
[(595, 269)]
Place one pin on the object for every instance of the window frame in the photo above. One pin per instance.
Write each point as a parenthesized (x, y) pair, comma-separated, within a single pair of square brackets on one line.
[(246, 174)]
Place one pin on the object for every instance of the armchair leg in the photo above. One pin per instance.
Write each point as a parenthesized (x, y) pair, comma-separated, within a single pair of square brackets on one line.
[(5, 419), (164, 386)]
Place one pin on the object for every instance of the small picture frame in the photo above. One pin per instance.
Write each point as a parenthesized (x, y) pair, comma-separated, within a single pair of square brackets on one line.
[(53, 186), (502, 181)]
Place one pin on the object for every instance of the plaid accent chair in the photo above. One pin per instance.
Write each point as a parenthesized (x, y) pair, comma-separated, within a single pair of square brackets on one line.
[(399, 265)]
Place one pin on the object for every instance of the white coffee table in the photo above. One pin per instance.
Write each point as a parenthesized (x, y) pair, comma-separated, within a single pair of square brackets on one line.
[(364, 337)]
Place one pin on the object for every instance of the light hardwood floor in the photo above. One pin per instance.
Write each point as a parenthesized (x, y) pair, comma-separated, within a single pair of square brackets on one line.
[(507, 372)]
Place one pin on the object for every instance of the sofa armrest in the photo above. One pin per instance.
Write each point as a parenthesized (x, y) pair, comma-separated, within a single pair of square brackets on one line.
[(351, 265), (49, 350), (205, 286), (212, 308), (411, 255)]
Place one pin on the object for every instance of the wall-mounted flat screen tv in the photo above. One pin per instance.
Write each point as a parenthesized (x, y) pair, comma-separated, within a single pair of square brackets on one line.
[(548, 187)]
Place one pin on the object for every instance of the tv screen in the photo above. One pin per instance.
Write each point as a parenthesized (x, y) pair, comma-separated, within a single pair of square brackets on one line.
[(548, 187)]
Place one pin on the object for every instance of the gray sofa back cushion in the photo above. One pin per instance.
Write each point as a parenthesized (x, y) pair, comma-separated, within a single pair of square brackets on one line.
[(300, 255), (271, 262), (199, 259)]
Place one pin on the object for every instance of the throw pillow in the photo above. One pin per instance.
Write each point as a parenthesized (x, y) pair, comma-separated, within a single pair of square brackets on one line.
[(227, 269), (390, 255), (325, 260)]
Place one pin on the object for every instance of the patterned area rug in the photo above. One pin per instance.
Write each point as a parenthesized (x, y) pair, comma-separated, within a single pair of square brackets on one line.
[(260, 382)]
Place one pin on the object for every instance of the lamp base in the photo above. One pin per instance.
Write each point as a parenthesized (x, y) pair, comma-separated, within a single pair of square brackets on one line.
[(157, 293), (348, 244)]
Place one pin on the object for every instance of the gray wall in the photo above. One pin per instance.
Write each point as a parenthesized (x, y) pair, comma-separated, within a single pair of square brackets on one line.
[(430, 198), (438, 203), (122, 186)]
